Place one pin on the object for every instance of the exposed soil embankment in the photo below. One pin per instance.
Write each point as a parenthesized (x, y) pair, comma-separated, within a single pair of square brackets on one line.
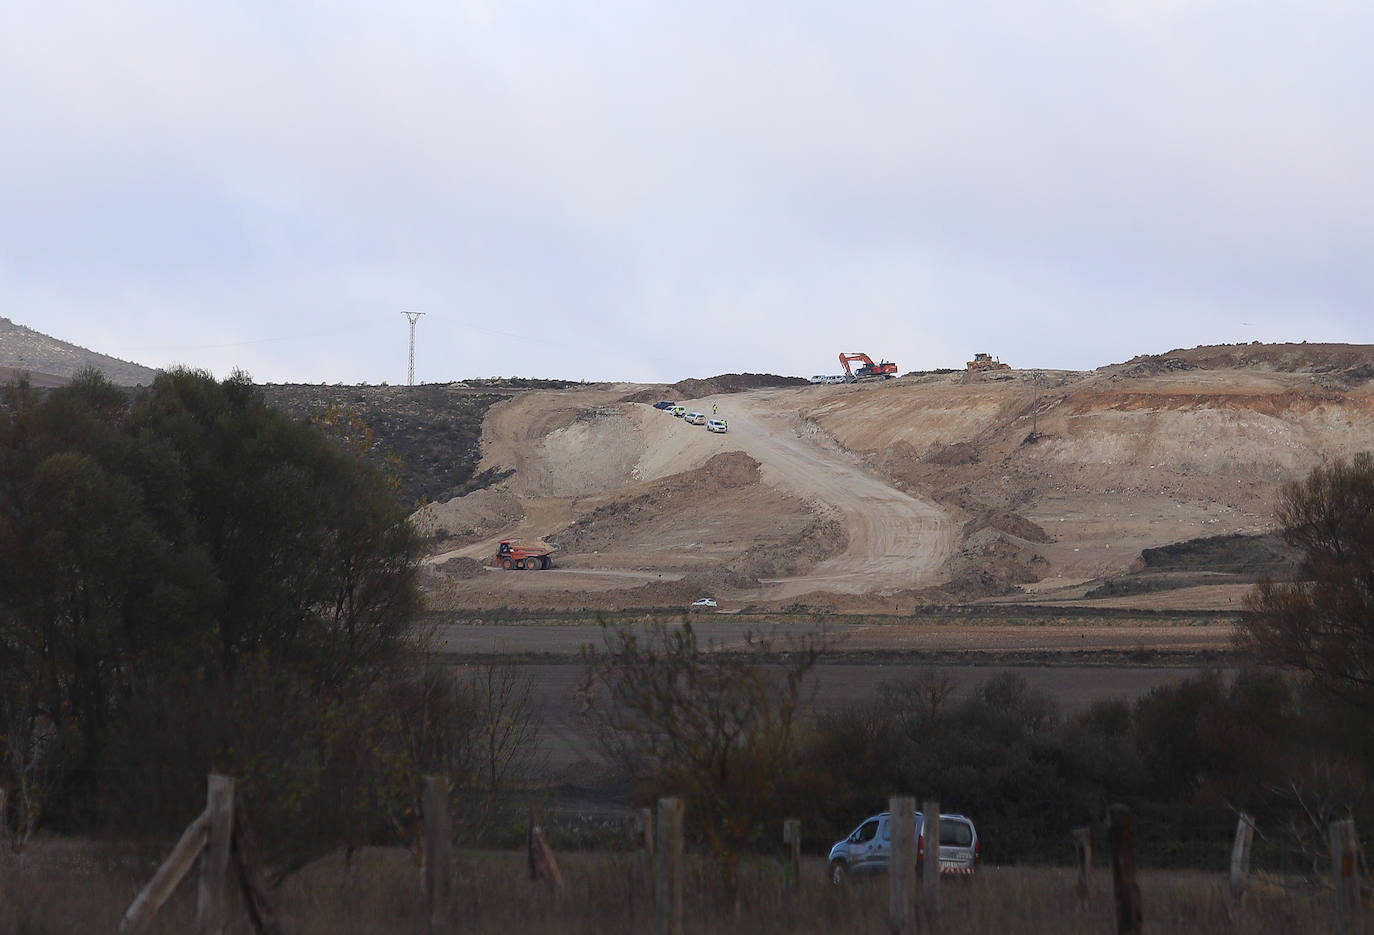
[(609, 525), (1157, 473)]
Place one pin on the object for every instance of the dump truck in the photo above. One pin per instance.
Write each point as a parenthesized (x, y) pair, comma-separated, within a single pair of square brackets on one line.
[(982, 362), (530, 558)]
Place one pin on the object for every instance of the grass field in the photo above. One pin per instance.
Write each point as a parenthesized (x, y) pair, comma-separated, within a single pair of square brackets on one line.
[(70, 888)]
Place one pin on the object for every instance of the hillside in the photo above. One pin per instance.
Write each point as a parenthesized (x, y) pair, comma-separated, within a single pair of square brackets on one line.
[(1144, 484), (1062, 487), (50, 362)]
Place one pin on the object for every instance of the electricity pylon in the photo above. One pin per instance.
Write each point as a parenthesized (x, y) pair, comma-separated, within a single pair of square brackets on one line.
[(410, 372)]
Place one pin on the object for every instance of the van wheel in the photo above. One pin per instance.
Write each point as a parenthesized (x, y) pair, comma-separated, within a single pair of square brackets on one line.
[(839, 873)]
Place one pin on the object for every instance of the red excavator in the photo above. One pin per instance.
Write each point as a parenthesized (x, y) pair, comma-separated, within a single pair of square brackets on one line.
[(869, 371), (509, 555)]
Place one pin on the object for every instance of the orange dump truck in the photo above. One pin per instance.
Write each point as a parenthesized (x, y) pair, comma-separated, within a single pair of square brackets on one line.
[(509, 556)]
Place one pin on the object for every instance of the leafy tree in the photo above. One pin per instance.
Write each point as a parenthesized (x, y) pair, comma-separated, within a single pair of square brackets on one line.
[(1323, 623), (715, 727), (190, 580)]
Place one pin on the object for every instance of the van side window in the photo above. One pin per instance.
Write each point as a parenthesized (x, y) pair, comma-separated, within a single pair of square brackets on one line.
[(866, 831)]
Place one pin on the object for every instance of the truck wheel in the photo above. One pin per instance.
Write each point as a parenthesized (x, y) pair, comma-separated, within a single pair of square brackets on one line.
[(532, 563), (545, 562), (507, 564), (839, 873)]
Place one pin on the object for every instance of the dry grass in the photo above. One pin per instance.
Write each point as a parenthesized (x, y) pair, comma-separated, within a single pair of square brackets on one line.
[(62, 888)]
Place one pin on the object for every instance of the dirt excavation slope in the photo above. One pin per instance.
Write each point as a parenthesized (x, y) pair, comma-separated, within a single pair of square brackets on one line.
[(939, 487)]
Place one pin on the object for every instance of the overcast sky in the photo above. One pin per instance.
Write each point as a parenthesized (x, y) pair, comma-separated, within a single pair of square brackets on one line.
[(599, 190)]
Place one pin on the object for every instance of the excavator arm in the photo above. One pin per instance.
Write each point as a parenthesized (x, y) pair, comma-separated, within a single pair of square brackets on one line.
[(867, 363)]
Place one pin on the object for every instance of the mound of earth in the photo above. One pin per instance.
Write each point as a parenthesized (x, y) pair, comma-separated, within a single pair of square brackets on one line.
[(1232, 553), (1013, 524), (824, 536), (462, 568), (1353, 360), (990, 563), (613, 523), (471, 518), (712, 386)]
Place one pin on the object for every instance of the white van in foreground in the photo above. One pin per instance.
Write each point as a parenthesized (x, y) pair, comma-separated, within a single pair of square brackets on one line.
[(869, 846)]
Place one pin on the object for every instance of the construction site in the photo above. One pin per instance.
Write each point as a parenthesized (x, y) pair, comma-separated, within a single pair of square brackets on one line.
[(1148, 484)]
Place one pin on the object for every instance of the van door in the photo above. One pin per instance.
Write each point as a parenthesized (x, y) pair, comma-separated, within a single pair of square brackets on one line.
[(864, 846)]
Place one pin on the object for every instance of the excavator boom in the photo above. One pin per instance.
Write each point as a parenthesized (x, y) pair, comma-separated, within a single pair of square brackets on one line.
[(869, 371)]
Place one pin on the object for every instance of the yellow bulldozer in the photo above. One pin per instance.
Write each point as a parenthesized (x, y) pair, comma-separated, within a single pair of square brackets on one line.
[(983, 362)]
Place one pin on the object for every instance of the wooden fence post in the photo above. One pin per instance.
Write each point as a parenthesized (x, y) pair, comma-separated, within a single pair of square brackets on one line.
[(168, 875), (1083, 845), (543, 865), (1240, 857), (252, 876), (791, 839), (930, 869), (1121, 832), (668, 882), (212, 903), (901, 864), (438, 856), (1345, 873)]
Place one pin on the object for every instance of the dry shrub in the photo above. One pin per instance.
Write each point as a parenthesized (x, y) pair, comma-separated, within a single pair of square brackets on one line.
[(379, 892)]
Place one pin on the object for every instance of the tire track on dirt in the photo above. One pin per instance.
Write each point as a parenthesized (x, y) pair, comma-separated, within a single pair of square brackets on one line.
[(896, 541)]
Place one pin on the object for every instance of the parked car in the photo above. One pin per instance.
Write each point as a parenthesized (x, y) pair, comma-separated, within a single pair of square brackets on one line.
[(717, 425), (664, 404), (868, 847), (678, 411), (704, 602), (696, 418)]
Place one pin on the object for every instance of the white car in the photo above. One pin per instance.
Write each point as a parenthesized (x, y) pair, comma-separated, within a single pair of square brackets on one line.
[(705, 602), (696, 418), (679, 411), (717, 425)]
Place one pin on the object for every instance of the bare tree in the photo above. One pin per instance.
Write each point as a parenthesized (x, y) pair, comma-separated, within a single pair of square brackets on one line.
[(716, 727), (1323, 623), (478, 726)]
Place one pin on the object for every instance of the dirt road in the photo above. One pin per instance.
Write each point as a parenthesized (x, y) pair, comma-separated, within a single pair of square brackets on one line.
[(895, 540)]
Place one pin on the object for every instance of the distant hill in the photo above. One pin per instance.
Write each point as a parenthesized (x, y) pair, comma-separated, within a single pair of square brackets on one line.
[(50, 362)]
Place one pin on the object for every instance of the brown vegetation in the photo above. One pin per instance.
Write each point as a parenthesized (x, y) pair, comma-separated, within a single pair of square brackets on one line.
[(73, 888)]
